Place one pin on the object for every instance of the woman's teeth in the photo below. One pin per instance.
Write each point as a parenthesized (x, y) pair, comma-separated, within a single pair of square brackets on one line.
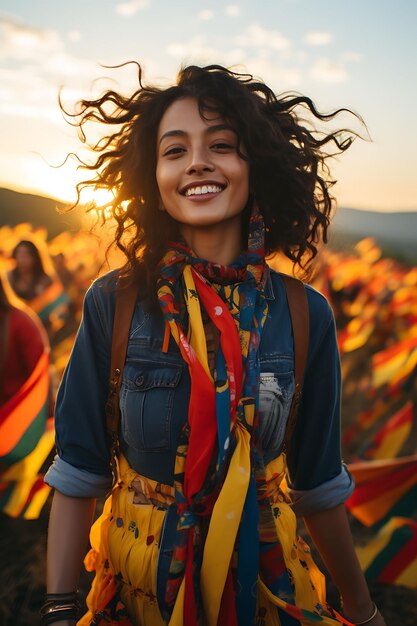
[(196, 191)]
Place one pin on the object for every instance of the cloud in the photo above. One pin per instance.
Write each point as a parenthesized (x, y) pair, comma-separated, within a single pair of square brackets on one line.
[(254, 52), (41, 51), (23, 42), (327, 71), (232, 10), (25, 94), (318, 38), (278, 76), (206, 14), (256, 36), (126, 9), (34, 64), (74, 36), (195, 49), (22, 109), (354, 57)]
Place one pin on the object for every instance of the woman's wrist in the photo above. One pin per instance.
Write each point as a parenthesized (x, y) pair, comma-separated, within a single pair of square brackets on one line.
[(60, 608), (360, 614)]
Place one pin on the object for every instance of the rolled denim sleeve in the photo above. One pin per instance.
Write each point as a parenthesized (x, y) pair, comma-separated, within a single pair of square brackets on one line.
[(325, 496), (317, 478), (82, 465)]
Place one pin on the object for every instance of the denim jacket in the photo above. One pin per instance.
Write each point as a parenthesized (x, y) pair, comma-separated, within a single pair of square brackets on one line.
[(155, 392)]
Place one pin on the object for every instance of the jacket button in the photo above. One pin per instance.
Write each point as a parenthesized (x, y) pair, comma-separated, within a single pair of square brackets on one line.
[(139, 381)]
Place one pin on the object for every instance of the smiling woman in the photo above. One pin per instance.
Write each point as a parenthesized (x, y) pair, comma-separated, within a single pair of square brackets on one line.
[(202, 179), (287, 162), (209, 176)]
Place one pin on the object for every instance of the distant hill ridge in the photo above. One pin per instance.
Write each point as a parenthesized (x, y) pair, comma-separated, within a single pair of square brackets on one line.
[(16, 207), (396, 233)]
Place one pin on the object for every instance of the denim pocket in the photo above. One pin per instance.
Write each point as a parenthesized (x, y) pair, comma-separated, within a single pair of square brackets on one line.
[(275, 394), (146, 403)]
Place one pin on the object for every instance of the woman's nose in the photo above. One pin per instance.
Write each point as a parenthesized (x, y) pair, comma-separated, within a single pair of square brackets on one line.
[(199, 162)]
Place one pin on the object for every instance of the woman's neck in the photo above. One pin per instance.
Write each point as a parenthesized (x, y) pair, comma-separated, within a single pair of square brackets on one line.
[(220, 243)]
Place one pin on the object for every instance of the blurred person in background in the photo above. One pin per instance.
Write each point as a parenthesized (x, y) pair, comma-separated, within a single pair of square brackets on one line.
[(28, 278), (40, 288), (22, 342)]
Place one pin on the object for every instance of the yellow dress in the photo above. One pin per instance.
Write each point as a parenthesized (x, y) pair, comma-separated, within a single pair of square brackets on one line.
[(125, 547)]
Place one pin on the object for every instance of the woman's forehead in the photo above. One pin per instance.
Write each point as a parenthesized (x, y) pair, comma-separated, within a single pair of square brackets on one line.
[(184, 115)]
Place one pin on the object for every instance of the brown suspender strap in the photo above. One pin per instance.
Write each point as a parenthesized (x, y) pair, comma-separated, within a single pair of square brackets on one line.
[(299, 312), (125, 305)]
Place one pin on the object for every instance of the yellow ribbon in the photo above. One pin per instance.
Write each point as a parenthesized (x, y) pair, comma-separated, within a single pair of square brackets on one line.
[(224, 526), (197, 334)]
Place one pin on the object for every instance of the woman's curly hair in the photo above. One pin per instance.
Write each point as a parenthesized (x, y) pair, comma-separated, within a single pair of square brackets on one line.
[(289, 176)]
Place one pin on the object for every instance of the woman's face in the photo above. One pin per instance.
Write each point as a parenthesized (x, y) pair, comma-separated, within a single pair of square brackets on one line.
[(24, 258), (202, 180)]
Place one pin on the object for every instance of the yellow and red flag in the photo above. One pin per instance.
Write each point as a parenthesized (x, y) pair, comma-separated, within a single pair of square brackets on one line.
[(391, 557), (389, 440), (26, 440), (23, 417), (358, 331), (381, 486), (394, 363), (23, 491)]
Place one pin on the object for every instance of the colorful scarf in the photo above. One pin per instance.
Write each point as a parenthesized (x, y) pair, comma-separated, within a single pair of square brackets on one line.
[(224, 525)]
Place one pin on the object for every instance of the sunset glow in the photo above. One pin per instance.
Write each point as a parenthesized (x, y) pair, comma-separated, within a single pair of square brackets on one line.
[(340, 56)]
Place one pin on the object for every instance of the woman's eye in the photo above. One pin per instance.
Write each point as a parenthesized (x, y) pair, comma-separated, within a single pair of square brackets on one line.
[(173, 151), (222, 145)]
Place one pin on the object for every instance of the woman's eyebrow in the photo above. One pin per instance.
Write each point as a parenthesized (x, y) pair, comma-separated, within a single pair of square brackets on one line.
[(210, 129), (173, 133), (216, 127)]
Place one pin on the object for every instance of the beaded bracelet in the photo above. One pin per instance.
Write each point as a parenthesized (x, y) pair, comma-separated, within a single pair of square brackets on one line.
[(366, 621)]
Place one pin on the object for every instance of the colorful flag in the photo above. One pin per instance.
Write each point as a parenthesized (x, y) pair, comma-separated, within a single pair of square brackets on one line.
[(23, 417), (346, 273), (23, 492), (26, 440), (404, 301), (389, 440), (366, 419), (368, 250), (380, 485), (391, 557), (358, 331), (394, 363)]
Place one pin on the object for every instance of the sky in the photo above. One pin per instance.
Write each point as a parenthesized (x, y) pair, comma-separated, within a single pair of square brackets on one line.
[(359, 54)]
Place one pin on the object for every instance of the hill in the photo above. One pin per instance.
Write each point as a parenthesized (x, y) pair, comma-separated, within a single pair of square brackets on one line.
[(395, 233), (18, 207)]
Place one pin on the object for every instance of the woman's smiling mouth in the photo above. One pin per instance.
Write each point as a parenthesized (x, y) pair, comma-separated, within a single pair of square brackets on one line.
[(200, 190)]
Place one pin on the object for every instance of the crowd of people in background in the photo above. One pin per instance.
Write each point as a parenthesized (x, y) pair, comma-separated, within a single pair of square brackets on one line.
[(42, 286)]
